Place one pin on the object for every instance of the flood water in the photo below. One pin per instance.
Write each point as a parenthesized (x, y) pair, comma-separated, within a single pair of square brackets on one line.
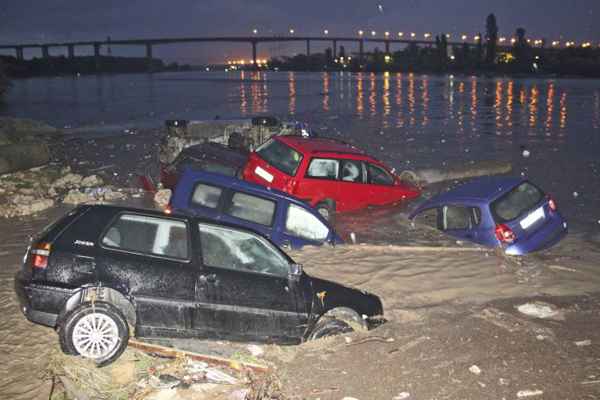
[(407, 120)]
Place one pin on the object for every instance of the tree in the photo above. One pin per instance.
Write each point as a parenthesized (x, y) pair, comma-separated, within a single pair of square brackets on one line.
[(492, 38), (522, 50)]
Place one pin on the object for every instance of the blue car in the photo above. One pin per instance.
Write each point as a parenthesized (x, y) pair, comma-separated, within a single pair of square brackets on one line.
[(287, 221), (507, 212)]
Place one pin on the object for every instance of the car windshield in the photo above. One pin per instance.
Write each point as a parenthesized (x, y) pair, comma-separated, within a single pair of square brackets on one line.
[(281, 156), (516, 202)]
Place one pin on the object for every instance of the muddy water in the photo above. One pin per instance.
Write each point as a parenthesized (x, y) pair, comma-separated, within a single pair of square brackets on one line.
[(25, 347)]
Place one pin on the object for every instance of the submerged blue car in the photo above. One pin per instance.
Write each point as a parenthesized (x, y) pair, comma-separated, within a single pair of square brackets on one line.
[(287, 221), (507, 212)]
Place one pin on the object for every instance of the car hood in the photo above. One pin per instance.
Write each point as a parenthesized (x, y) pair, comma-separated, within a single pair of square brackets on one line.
[(327, 295)]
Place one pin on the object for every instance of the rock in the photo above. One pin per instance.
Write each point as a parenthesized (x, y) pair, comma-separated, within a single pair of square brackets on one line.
[(162, 197), (238, 394), (401, 396), (91, 181), (76, 197), (539, 309), (67, 181), (474, 369)]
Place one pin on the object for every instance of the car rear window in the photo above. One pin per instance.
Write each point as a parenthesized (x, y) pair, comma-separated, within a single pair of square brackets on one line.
[(252, 208), (150, 235), (516, 202), (281, 156)]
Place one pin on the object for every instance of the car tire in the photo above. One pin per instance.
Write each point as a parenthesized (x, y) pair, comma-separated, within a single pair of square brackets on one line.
[(326, 327), (326, 209), (81, 327)]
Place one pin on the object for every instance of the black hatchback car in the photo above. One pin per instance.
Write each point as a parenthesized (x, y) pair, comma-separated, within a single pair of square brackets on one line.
[(102, 269)]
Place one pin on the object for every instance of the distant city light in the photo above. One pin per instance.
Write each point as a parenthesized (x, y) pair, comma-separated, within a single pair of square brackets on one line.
[(373, 33), (291, 31), (452, 57), (464, 37), (361, 32), (255, 31), (427, 35), (388, 59), (400, 34), (502, 39), (387, 34), (412, 34), (513, 40), (477, 37), (447, 36), (326, 32), (555, 43)]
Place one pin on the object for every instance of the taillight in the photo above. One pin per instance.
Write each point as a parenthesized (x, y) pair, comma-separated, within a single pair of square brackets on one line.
[(551, 204), (40, 254), (504, 233)]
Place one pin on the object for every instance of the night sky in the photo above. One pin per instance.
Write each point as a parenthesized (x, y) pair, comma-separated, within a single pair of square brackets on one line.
[(27, 21)]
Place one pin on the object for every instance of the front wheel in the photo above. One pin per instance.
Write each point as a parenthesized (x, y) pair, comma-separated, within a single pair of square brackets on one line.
[(97, 331), (330, 327)]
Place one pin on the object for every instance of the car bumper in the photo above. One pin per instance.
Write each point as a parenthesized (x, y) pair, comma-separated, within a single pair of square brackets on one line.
[(543, 239), (40, 304)]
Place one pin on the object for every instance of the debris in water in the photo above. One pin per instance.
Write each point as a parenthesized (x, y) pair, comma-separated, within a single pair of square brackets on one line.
[(255, 350), (401, 396), (353, 237), (474, 369), (529, 393), (583, 343)]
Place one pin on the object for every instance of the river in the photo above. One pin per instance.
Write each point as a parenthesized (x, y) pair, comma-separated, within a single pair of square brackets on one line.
[(407, 120)]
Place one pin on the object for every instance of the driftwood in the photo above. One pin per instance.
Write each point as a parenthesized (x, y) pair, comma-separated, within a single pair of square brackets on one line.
[(16, 157), (174, 353), (480, 168)]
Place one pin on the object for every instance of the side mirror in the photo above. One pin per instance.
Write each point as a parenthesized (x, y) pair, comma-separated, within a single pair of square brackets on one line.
[(295, 270)]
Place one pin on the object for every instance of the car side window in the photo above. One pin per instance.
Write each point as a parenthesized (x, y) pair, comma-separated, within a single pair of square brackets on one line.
[(379, 176), (251, 208), (323, 168), (206, 195), (150, 235), (458, 217), (301, 223), (428, 217), (241, 251), (352, 171)]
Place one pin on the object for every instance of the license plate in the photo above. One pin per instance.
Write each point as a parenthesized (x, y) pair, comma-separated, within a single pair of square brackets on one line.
[(263, 174), (532, 218)]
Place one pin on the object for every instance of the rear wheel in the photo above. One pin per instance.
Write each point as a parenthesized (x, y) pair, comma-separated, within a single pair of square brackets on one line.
[(329, 327), (96, 331), (326, 209)]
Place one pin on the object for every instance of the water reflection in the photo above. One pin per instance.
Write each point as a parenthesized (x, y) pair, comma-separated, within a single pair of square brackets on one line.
[(373, 94), (292, 93), (325, 77), (360, 108)]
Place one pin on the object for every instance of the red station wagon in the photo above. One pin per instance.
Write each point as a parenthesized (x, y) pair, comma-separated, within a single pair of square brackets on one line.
[(330, 175)]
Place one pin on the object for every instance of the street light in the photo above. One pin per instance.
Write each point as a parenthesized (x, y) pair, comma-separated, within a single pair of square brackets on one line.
[(255, 31), (477, 38), (291, 31), (447, 36), (387, 34), (373, 33), (412, 34), (326, 32), (464, 37), (361, 32), (513, 40), (502, 39), (427, 35), (400, 34)]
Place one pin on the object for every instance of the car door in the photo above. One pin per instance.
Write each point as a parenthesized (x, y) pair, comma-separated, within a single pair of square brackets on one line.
[(249, 210), (301, 227), (461, 221), (149, 258), (353, 191), (244, 290), (381, 186), (320, 181)]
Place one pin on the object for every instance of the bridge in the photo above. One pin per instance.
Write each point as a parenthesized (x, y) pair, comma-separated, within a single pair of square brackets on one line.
[(253, 41)]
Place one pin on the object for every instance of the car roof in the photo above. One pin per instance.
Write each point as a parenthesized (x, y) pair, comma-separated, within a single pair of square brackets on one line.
[(312, 145), (478, 191), (213, 150), (113, 210), (235, 183)]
